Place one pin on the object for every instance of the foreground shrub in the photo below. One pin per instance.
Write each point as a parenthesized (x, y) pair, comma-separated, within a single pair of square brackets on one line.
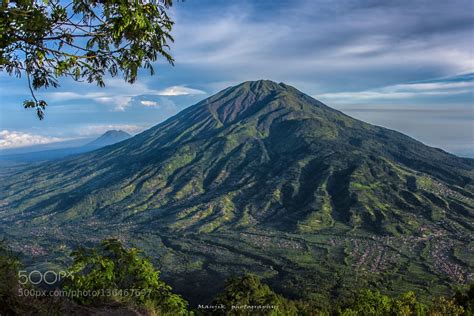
[(370, 303), (248, 296), (442, 306), (9, 266), (373, 303), (110, 272), (466, 299)]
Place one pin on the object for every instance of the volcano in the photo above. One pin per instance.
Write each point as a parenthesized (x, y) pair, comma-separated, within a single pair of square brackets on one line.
[(261, 177)]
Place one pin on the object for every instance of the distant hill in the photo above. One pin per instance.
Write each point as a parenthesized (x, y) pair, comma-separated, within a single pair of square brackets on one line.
[(261, 177), (108, 138)]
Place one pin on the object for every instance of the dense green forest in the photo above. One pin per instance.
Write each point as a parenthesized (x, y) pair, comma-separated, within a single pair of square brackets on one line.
[(112, 279)]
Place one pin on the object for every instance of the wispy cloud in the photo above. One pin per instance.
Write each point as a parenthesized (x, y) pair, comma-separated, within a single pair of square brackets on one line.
[(441, 87), (149, 103), (119, 102), (14, 139), (357, 44), (179, 90), (119, 94), (165, 104)]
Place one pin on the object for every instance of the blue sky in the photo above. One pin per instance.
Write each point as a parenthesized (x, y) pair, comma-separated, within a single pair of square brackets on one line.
[(406, 65)]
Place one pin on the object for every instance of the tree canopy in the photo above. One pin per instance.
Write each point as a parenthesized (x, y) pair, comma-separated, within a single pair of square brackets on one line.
[(120, 274), (85, 40), (248, 296)]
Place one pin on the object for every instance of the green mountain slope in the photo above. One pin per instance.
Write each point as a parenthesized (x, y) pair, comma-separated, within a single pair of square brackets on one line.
[(253, 170)]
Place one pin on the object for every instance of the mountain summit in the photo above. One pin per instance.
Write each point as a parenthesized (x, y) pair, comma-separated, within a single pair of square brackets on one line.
[(268, 176), (237, 102)]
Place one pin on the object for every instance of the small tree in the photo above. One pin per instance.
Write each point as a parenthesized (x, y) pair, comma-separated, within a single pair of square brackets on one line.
[(466, 299), (81, 39), (442, 306), (11, 300), (370, 303), (408, 305), (120, 274), (247, 293), (9, 266)]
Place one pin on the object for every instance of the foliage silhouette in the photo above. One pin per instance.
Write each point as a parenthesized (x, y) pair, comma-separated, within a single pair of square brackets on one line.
[(120, 274), (81, 39)]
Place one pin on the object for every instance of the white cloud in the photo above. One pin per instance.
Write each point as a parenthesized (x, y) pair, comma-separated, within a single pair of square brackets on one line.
[(428, 86), (68, 95), (165, 104), (119, 93), (372, 44), (402, 91), (179, 90), (229, 40), (119, 102), (13, 139), (149, 103)]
